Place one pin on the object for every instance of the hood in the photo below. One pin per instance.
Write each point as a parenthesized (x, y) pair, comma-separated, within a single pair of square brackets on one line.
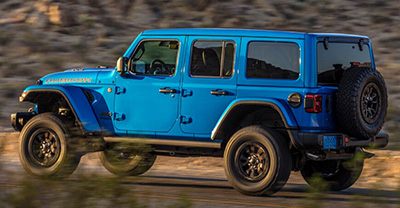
[(75, 76)]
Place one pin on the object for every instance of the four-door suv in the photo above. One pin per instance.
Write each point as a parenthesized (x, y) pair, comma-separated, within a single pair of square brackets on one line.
[(269, 102)]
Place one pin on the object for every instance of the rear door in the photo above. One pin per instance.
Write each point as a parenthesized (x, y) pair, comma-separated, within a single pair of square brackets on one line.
[(209, 82)]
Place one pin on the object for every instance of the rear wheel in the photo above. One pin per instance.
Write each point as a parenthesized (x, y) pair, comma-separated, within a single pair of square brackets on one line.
[(125, 160), (339, 174), (257, 161), (43, 148)]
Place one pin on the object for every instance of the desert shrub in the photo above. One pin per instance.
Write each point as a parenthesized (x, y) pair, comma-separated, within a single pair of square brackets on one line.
[(53, 62), (34, 43), (80, 190), (85, 191), (1, 149), (391, 126), (87, 20), (296, 5), (398, 193), (380, 19), (316, 192), (98, 191), (5, 38), (117, 51), (391, 41), (3, 67), (81, 47)]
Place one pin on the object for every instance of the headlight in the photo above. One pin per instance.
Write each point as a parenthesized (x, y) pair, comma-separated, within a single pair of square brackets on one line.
[(23, 95)]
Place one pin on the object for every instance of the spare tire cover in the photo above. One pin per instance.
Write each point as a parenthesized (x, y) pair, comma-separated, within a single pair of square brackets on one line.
[(361, 102)]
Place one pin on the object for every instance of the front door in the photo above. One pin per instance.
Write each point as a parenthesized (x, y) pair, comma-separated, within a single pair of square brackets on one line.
[(209, 82), (147, 98)]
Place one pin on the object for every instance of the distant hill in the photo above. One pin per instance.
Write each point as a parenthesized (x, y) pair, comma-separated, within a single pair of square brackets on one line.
[(45, 36)]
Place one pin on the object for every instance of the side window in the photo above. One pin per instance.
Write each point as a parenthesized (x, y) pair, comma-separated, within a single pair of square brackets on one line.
[(212, 59), (273, 60), (155, 57)]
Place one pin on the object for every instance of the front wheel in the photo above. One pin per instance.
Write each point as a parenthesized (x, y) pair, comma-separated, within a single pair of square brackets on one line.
[(257, 161), (126, 160), (338, 174), (43, 148)]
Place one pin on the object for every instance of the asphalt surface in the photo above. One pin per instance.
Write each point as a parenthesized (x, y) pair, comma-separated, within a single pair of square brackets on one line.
[(202, 181)]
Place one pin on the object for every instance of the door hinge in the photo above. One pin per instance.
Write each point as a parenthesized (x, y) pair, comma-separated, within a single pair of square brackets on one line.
[(120, 90), (186, 93), (119, 116), (186, 120)]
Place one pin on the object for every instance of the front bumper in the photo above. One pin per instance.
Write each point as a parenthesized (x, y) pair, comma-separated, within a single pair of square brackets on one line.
[(338, 141), (18, 120)]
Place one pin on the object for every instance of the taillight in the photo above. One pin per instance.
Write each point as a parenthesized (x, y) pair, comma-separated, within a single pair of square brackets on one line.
[(313, 103)]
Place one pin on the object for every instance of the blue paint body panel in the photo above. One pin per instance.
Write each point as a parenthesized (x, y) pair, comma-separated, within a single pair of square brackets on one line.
[(132, 105)]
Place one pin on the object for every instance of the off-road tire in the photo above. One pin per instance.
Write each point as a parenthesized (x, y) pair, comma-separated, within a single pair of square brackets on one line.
[(46, 132), (276, 160), (353, 95), (338, 177), (135, 164)]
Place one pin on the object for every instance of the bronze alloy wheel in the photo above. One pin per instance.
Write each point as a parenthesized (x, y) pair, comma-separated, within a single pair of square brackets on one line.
[(252, 161), (371, 103), (44, 147)]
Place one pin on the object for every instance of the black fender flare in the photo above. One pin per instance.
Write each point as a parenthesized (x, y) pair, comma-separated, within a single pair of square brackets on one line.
[(75, 98)]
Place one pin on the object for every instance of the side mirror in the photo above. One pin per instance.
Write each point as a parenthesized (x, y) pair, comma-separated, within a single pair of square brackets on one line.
[(122, 66)]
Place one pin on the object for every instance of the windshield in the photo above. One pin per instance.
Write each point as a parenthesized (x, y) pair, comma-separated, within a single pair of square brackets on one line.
[(338, 57)]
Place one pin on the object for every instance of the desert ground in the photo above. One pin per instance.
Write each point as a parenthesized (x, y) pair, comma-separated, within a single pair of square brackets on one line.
[(201, 182)]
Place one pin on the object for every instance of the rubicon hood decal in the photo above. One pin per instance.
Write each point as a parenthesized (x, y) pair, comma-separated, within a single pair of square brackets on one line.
[(69, 80), (83, 76)]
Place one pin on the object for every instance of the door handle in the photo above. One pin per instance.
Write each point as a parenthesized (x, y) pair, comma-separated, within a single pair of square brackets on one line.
[(216, 92), (167, 90)]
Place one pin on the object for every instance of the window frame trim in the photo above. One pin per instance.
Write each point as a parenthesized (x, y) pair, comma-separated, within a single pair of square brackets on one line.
[(156, 39), (221, 61)]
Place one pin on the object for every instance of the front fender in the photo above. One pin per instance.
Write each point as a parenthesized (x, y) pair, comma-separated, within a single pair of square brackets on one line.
[(75, 97)]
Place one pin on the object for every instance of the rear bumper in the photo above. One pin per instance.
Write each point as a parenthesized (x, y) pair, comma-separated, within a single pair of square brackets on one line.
[(315, 141)]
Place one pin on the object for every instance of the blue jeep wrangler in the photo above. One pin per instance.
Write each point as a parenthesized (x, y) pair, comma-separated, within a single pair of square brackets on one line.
[(268, 102)]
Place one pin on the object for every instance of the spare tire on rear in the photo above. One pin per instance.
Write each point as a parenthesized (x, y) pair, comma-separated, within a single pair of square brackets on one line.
[(361, 102)]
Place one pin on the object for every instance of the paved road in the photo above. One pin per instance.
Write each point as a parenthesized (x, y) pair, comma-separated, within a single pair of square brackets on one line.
[(203, 182)]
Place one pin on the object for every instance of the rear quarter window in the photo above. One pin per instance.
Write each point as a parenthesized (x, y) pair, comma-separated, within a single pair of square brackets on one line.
[(273, 60)]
